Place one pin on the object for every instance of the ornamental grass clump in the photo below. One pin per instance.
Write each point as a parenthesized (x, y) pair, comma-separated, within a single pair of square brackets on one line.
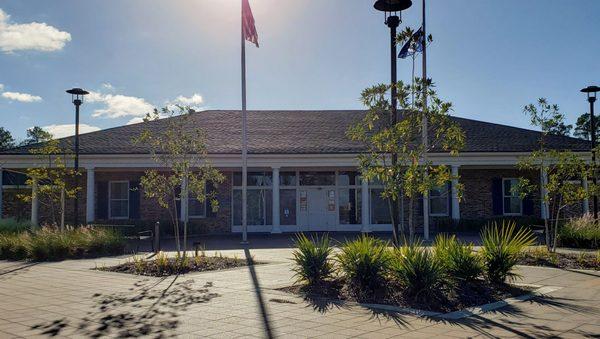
[(419, 271), (312, 260), (364, 262), (51, 244), (13, 226), (502, 246), (582, 232), (458, 259)]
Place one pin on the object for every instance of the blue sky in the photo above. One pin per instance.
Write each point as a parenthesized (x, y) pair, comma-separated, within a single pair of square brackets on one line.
[(489, 57)]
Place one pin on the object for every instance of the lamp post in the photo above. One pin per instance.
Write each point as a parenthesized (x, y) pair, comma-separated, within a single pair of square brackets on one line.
[(591, 96), (77, 95), (392, 8)]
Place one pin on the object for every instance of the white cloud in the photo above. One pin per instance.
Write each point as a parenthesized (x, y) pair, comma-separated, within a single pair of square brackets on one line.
[(31, 36), (61, 131), (22, 97), (1, 87), (195, 99), (107, 86), (118, 106)]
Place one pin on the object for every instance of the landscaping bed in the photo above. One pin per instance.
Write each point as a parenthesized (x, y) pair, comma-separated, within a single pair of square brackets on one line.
[(464, 296), (53, 244), (162, 266), (588, 261)]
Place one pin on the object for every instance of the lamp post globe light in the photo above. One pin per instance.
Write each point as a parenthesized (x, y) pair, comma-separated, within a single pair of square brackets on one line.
[(591, 96), (392, 10), (77, 95)]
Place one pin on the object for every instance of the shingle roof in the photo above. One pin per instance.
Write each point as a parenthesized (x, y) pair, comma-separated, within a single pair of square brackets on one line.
[(303, 132)]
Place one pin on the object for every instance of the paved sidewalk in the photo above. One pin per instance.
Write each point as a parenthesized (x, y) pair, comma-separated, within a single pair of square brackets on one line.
[(68, 299)]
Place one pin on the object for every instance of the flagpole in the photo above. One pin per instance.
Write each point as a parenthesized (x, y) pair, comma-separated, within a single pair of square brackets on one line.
[(425, 127), (244, 138)]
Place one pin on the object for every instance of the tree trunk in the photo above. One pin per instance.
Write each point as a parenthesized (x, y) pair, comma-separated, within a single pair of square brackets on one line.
[(411, 222), (395, 236)]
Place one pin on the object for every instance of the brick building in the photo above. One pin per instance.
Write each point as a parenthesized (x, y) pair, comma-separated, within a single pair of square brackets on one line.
[(302, 175)]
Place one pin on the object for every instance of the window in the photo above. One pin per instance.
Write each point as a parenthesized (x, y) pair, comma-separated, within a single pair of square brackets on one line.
[(512, 203), (196, 209), (317, 178), (259, 199), (380, 211), (438, 201), (349, 198), (118, 192)]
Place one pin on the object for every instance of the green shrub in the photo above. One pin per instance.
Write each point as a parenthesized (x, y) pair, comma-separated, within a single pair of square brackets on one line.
[(48, 243), (501, 249), (582, 232), (458, 259), (312, 263), (421, 274), (11, 226), (450, 225), (14, 246), (364, 263)]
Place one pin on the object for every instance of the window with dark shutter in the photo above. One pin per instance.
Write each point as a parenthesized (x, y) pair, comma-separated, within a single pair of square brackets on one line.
[(497, 196)]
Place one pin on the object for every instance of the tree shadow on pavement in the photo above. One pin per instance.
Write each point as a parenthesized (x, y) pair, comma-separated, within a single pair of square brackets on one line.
[(518, 321), (145, 310), (16, 269)]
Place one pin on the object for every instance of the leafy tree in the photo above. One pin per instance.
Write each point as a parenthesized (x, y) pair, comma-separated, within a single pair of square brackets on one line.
[(36, 135), (561, 168), (412, 175), (55, 180), (548, 117), (182, 151), (583, 128), (6, 139)]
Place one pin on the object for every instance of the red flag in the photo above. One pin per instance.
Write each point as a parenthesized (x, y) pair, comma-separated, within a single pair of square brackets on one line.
[(248, 27)]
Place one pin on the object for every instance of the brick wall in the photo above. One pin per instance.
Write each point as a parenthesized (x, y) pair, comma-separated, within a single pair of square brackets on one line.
[(477, 194), (151, 211)]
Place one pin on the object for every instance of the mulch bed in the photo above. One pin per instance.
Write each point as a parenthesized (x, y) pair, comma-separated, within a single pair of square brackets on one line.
[(151, 267), (561, 260), (463, 296)]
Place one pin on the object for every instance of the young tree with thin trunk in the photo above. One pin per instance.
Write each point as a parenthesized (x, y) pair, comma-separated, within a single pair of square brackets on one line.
[(54, 178), (412, 176), (562, 169), (180, 150)]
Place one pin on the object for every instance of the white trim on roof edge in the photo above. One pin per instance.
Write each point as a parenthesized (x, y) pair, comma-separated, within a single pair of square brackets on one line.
[(270, 160)]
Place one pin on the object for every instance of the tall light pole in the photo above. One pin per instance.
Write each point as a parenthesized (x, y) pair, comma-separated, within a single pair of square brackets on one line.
[(77, 95), (591, 96), (392, 9)]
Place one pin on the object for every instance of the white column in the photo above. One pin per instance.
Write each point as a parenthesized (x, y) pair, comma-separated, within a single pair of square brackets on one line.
[(454, 185), (544, 194), (364, 201), (90, 202), (276, 219), (586, 201), (1, 192), (34, 203)]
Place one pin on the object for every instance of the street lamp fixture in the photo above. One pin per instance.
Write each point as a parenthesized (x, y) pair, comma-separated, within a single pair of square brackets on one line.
[(77, 95), (392, 9), (591, 96)]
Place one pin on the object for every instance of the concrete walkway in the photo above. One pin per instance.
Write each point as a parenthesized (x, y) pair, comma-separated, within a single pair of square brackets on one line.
[(69, 299)]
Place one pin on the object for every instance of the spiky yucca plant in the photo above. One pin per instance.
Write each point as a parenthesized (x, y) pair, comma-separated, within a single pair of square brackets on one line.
[(418, 270), (459, 260), (501, 248), (364, 263), (312, 259)]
